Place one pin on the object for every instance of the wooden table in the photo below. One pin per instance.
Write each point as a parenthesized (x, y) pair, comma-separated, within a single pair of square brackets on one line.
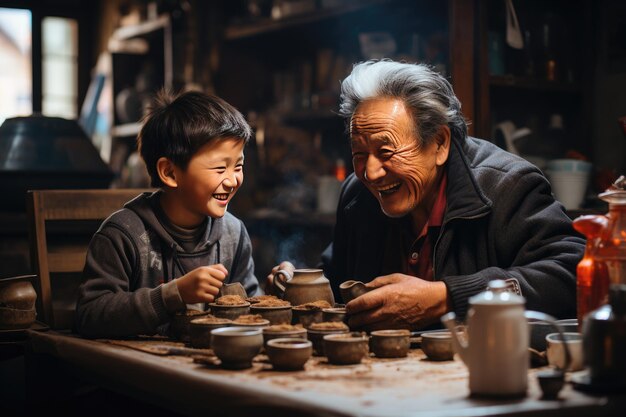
[(412, 386)]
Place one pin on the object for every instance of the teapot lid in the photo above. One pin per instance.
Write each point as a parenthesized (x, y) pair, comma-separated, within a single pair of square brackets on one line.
[(616, 193), (497, 294)]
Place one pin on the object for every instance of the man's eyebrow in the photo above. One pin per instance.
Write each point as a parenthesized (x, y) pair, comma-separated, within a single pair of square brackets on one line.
[(382, 139)]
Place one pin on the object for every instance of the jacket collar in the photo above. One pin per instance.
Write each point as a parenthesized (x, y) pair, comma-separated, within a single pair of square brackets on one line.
[(464, 197)]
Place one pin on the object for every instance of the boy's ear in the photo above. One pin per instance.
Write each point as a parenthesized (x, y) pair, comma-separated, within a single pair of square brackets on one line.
[(167, 173)]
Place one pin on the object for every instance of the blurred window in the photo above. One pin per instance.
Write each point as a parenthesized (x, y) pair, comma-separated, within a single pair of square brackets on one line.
[(16, 78), (59, 50)]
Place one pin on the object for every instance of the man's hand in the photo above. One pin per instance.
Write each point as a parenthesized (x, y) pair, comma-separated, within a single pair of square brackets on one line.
[(202, 284), (286, 265), (398, 301)]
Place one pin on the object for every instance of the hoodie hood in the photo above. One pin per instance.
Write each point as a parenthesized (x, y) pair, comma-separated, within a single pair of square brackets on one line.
[(144, 206)]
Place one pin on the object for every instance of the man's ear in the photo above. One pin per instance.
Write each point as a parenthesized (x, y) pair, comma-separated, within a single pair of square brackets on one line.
[(443, 144), (167, 172)]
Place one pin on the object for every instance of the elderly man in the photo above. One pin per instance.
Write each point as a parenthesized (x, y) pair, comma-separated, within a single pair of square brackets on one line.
[(431, 215)]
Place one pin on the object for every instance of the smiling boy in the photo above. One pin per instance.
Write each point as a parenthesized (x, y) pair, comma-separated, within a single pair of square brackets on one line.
[(177, 246)]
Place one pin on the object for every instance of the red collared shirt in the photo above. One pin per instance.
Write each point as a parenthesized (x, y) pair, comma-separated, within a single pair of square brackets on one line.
[(411, 255)]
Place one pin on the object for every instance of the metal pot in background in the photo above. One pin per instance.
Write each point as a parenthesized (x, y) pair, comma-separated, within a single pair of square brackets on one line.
[(39, 152)]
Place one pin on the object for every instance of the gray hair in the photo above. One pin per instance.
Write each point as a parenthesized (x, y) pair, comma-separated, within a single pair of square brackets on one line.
[(427, 94)]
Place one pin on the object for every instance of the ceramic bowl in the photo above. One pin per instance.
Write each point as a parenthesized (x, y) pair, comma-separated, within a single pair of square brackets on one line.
[(390, 343), (282, 332), (347, 348), (540, 329), (438, 346), (236, 346), (556, 353), (569, 165), (179, 325), (289, 354), (306, 316), (275, 315), (334, 314), (317, 338), (230, 312), (200, 330)]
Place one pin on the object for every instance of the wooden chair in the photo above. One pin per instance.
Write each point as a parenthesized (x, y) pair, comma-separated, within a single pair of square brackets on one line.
[(61, 224)]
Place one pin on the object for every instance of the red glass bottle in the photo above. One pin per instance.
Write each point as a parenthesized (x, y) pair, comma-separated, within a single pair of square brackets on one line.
[(592, 277), (612, 244)]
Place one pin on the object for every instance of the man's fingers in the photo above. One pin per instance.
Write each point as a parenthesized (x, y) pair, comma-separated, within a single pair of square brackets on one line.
[(382, 281), (367, 301)]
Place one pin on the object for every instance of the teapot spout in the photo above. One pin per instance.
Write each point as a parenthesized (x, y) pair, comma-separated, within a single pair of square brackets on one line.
[(460, 346)]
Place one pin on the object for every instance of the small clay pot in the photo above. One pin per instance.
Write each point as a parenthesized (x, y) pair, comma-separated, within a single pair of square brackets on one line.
[(275, 315), (335, 314), (13, 318), (18, 292), (390, 343), (346, 349), (234, 288), (317, 338), (289, 354), (351, 289), (179, 325), (200, 330), (438, 346), (306, 316), (236, 346), (230, 312), (258, 322), (295, 333), (17, 302)]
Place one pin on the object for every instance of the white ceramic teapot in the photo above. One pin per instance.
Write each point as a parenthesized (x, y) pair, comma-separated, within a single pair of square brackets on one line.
[(496, 348)]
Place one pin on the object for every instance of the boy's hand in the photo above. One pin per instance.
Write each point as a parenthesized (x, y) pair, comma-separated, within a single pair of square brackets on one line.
[(202, 284)]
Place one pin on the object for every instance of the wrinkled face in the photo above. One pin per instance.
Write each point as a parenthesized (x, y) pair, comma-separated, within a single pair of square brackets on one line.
[(212, 178), (388, 159)]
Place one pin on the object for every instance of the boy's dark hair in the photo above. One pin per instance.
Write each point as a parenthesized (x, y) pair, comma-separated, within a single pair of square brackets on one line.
[(176, 126)]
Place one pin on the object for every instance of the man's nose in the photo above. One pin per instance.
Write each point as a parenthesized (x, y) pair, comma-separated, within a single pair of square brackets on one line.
[(373, 169)]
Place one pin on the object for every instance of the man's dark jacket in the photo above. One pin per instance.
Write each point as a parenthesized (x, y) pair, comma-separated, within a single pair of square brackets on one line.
[(501, 222)]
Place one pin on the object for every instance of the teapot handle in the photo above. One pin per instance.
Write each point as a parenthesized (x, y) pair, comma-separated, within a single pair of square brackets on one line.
[(546, 318), (280, 279)]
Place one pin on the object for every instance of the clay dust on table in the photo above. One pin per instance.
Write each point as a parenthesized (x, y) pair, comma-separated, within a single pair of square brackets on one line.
[(191, 312)]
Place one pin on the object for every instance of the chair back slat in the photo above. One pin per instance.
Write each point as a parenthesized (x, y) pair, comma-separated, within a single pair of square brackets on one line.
[(56, 256)]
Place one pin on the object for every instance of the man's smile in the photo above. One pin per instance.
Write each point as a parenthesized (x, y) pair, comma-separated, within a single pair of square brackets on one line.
[(388, 189)]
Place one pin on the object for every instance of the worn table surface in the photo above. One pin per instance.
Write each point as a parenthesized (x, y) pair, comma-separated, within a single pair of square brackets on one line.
[(411, 386)]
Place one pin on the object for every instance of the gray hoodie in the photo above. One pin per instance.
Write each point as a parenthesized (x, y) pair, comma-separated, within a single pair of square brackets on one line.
[(128, 282)]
